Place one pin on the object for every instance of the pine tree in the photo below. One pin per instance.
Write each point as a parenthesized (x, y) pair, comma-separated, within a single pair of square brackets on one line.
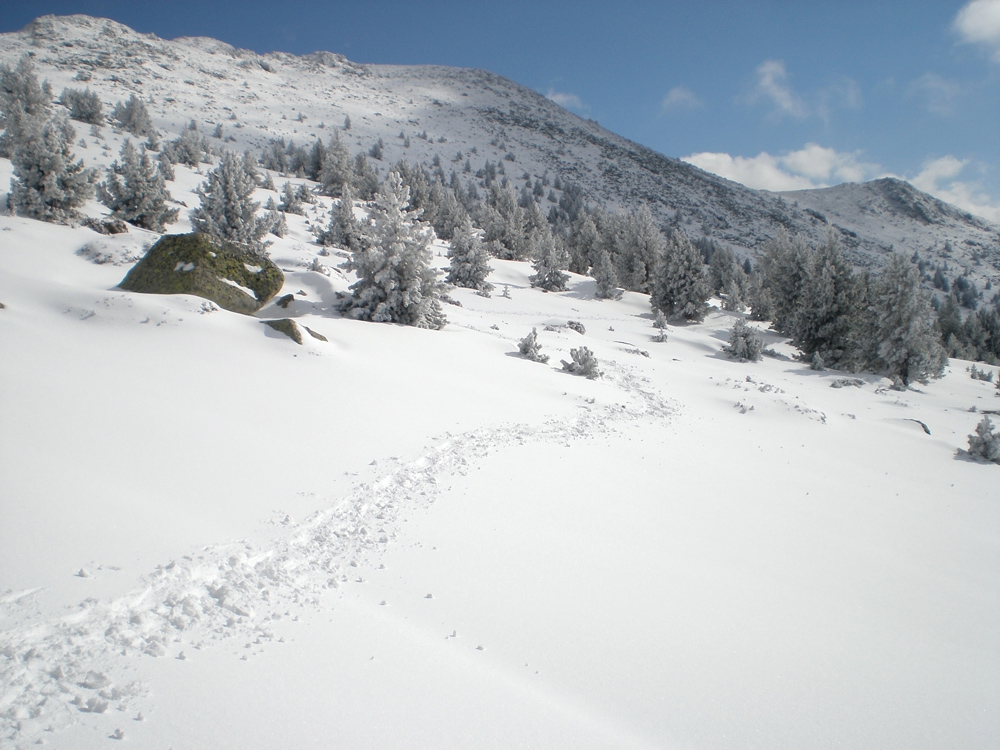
[(679, 287), (22, 100), (396, 282), (135, 191), (550, 259), (785, 270), (337, 170), (48, 184), (469, 261), (745, 342), (227, 208), (84, 106), (902, 340), (290, 202), (344, 230), (133, 117), (605, 276), (828, 311)]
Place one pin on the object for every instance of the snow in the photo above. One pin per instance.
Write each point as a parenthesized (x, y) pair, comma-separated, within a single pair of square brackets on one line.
[(211, 536)]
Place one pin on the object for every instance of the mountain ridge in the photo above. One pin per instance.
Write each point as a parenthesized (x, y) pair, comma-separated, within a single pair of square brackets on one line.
[(489, 118)]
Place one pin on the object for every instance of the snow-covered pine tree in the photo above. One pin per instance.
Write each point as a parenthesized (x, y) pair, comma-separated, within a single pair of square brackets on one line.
[(135, 191), (550, 259), (531, 349), (605, 276), (47, 183), (344, 230), (227, 207), (337, 170), (745, 342), (84, 106), (641, 245), (660, 324), (985, 444), (469, 262), (785, 270), (584, 242), (902, 339), (133, 117), (290, 202), (189, 148), (22, 99), (679, 285), (828, 312), (396, 282)]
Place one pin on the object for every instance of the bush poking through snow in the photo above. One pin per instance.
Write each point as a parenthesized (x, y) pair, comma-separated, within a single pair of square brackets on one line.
[(660, 324), (985, 444), (584, 363), (745, 343), (531, 349)]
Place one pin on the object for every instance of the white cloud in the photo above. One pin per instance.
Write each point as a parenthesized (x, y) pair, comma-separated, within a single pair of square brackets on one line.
[(978, 22), (772, 85), (815, 166), (680, 97), (810, 167), (941, 93), (563, 99), (937, 177)]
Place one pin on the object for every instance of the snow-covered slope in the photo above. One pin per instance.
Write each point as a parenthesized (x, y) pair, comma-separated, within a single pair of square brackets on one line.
[(211, 536), (479, 116)]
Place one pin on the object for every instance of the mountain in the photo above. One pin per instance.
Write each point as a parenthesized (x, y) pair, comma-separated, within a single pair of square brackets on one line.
[(458, 114)]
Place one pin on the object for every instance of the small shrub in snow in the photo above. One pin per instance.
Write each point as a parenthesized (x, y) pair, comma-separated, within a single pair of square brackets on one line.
[(985, 444), (531, 349), (745, 343), (576, 326), (985, 375), (660, 323), (584, 363)]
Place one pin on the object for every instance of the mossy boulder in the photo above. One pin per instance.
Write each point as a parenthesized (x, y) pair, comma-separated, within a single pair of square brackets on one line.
[(206, 267)]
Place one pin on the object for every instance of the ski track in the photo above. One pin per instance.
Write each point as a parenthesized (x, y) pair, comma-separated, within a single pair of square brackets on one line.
[(53, 670)]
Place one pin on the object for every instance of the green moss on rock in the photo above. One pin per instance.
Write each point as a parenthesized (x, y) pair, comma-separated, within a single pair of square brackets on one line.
[(197, 264), (286, 326)]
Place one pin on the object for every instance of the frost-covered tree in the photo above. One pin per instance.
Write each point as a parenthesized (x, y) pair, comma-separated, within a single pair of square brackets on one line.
[(583, 363), (22, 100), (133, 117), (828, 313), (584, 241), (337, 170), (640, 247), (84, 106), (660, 324), (396, 283), (902, 339), (550, 259), (985, 444), (469, 263), (531, 349), (605, 276), (48, 184), (344, 230), (291, 203), (135, 191), (190, 148), (745, 342), (227, 207), (785, 268), (679, 286), (276, 223)]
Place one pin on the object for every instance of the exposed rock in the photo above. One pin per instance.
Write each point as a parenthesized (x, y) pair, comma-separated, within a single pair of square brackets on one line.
[(206, 267), (287, 326)]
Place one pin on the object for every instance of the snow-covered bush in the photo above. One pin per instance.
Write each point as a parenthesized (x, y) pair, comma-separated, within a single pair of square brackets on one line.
[(396, 283), (660, 324), (531, 349), (84, 106), (745, 342), (584, 363), (48, 184), (135, 191), (985, 444)]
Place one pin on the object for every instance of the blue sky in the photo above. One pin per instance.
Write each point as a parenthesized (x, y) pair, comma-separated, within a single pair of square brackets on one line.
[(776, 95)]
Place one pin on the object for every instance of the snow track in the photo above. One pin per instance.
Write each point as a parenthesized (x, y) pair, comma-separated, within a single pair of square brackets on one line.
[(53, 669)]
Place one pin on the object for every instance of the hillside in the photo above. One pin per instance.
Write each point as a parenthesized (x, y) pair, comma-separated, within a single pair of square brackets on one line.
[(476, 115), (388, 537)]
